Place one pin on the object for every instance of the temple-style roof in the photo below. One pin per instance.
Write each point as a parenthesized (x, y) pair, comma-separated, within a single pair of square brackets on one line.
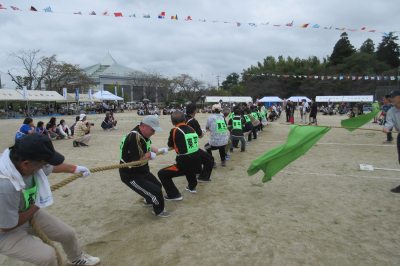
[(110, 69)]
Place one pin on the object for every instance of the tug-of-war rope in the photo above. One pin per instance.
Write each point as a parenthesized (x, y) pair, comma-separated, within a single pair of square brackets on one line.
[(35, 225)]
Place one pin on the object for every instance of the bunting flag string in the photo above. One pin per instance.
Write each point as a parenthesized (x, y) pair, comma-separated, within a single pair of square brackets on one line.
[(162, 15)]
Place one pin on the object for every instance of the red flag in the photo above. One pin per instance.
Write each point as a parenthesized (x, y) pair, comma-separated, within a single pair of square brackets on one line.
[(32, 9), (371, 31), (2, 7), (291, 120), (363, 28), (118, 14)]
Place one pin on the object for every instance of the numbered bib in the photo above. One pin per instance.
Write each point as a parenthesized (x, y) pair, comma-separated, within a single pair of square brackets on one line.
[(254, 115), (237, 124), (247, 118), (221, 126), (192, 142)]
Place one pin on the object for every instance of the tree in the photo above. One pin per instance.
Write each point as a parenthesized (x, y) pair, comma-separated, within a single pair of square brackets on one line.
[(145, 84), (190, 88), (388, 51), (168, 90), (367, 47), (33, 76), (342, 49), (231, 79)]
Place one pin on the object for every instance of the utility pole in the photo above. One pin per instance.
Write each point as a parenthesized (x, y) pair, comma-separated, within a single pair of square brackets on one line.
[(218, 80)]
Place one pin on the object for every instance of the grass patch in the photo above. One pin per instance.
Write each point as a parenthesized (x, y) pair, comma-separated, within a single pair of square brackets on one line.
[(186, 236), (65, 195)]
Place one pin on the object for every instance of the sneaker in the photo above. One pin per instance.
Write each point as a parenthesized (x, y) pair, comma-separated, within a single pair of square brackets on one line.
[(107, 129), (387, 141), (202, 180), (75, 144), (235, 147), (114, 128), (309, 124), (223, 163), (176, 198), (247, 143), (163, 214), (193, 191), (215, 165), (242, 150), (85, 259), (145, 204), (227, 156), (83, 144)]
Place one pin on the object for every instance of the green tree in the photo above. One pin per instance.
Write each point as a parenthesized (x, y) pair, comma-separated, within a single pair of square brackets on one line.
[(342, 49), (237, 90), (388, 51), (367, 47), (231, 79)]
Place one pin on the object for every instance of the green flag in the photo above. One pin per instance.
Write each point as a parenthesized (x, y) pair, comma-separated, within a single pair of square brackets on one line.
[(299, 141), (360, 120)]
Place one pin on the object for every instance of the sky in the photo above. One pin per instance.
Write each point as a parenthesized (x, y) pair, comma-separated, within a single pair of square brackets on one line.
[(174, 47)]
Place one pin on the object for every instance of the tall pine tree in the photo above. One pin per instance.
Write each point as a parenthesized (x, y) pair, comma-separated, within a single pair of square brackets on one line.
[(367, 47), (388, 51), (342, 50)]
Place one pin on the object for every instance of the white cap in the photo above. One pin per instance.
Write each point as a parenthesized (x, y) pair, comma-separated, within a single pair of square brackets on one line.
[(81, 116)]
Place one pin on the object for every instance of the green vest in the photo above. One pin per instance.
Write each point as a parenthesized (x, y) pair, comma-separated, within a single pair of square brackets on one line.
[(221, 126), (262, 115), (254, 115), (148, 145), (247, 118), (192, 142), (30, 194), (237, 124), (232, 115)]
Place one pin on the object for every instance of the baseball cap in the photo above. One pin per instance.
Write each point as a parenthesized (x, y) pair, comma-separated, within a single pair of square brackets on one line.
[(38, 147), (395, 93), (81, 116), (152, 121), (216, 107)]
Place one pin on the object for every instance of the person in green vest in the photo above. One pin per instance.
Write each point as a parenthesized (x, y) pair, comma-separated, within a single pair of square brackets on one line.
[(185, 142), (24, 193), (235, 125), (136, 146)]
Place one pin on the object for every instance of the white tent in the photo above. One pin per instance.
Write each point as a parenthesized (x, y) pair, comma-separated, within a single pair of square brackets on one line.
[(43, 96), (298, 98), (11, 95), (82, 98), (215, 99), (345, 98), (107, 96), (271, 99), (358, 98)]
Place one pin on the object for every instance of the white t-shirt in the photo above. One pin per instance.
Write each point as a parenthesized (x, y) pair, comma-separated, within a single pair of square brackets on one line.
[(305, 105)]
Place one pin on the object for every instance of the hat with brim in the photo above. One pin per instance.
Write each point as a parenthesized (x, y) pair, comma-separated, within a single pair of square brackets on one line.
[(81, 116), (395, 93), (38, 147), (152, 121)]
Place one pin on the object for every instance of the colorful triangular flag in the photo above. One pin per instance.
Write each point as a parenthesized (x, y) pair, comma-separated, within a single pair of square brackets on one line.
[(161, 15), (305, 25), (32, 9), (118, 14)]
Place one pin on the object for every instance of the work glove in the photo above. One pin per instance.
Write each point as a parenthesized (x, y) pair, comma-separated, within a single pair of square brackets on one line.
[(163, 149), (153, 155), (204, 131), (83, 169)]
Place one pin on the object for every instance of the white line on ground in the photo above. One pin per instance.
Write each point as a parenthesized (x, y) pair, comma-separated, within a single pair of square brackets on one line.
[(286, 172)]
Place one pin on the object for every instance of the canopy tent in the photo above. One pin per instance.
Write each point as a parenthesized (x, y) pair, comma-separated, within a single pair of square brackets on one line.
[(215, 99), (345, 98), (43, 96), (82, 98), (11, 95), (269, 99), (358, 98), (107, 96), (298, 98)]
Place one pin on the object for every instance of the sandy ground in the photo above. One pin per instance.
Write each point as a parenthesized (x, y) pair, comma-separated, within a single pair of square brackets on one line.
[(319, 210)]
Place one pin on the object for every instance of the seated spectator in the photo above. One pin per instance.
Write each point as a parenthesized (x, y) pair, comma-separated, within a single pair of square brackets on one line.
[(164, 112), (156, 111), (41, 129), (272, 116), (52, 128), (107, 124), (26, 128), (352, 113), (64, 130)]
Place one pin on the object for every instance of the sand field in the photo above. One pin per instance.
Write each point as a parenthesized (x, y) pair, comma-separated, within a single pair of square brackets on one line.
[(319, 210)]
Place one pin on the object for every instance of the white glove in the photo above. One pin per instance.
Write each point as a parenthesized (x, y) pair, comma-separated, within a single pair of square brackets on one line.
[(83, 169), (163, 149), (204, 131), (153, 155)]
